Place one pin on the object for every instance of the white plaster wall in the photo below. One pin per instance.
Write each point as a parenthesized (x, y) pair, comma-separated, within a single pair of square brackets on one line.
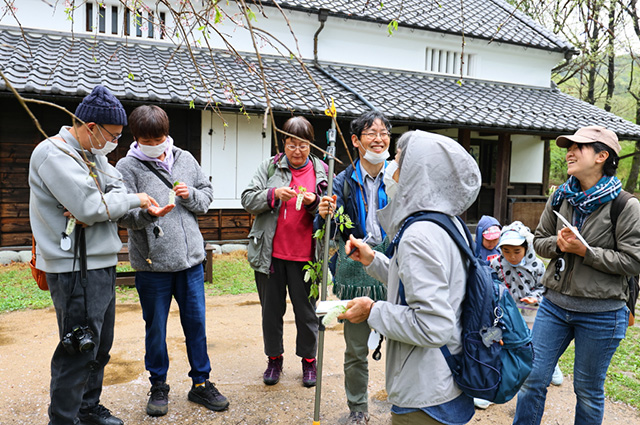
[(341, 41), (527, 159), (231, 155)]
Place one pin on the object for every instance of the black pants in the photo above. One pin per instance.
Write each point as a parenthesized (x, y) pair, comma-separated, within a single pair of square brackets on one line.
[(272, 290), (76, 379)]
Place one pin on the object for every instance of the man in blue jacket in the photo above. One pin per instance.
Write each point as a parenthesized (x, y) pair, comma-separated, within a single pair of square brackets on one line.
[(361, 190)]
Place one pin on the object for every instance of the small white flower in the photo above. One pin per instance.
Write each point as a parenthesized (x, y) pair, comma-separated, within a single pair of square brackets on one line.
[(333, 314)]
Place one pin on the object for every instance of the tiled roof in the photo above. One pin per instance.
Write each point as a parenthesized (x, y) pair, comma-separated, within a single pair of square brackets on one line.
[(59, 64), (486, 19), (474, 103)]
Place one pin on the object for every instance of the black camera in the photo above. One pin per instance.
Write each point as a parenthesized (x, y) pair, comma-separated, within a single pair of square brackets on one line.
[(79, 340)]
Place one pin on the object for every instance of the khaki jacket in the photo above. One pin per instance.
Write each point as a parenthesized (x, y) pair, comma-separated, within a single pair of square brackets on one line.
[(601, 273), (255, 200)]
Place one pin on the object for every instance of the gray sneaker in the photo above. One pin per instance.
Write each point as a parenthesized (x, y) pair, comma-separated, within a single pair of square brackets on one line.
[(208, 396), (358, 418), (158, 404)]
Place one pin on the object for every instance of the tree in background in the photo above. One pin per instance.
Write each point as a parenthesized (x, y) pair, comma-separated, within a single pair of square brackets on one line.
[(634, 90), (604, 32)]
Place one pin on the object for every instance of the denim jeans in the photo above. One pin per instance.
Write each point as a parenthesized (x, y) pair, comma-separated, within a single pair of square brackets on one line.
[(596, 336), (156, 289)]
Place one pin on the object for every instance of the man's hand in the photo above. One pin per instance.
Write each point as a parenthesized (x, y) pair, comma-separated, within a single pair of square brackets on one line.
[(529, 300), (327, 205), (568, 242), (181, 190), (146, 201), (363, 252), (78, 223), (160, 212), (285, 193), (358, 310)]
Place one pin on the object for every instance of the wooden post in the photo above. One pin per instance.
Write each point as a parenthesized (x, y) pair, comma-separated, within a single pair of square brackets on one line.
[(464, 138), (503, 167), (546, 168), (208, 272)]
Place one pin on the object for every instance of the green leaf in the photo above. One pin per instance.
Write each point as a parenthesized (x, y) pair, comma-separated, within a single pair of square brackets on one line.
[(392, 26), (192, 104), (251, 15), (131, 76)]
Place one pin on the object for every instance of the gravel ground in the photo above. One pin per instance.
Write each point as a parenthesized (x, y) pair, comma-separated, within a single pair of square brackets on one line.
[(27, 340)]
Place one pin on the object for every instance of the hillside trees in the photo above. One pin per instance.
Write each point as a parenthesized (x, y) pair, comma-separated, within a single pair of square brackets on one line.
[(602, 31)]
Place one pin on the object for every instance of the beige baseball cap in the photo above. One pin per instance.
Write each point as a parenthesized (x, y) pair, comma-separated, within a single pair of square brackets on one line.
[(591, 134)]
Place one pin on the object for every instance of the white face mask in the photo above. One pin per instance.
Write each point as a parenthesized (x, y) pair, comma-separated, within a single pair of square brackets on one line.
[(376, 158), (153, 151), (105, 150), (391, 186)]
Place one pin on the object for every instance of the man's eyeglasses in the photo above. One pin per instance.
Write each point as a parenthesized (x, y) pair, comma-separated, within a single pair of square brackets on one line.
[(114, 139), (301, 148), (372, 136)]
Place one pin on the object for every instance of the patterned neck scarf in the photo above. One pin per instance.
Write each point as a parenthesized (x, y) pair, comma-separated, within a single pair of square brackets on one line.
[(586, 202)]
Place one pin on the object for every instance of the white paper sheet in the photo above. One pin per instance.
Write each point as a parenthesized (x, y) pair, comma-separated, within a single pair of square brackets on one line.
[(574, 230), (324, 307)]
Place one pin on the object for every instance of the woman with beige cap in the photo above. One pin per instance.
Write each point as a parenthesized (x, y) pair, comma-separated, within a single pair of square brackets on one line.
[(586, 287)]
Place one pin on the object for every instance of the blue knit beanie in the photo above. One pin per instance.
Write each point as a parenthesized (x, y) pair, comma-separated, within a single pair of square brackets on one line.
[(101, 107)]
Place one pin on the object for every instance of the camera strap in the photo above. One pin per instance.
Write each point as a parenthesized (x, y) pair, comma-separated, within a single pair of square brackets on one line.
[(81, 245)]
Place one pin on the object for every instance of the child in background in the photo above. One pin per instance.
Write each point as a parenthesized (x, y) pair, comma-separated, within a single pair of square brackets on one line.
[(487, 236), (518, 267), (521, 271)]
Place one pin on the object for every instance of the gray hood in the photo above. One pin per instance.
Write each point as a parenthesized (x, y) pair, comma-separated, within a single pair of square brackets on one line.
[(436, 174)]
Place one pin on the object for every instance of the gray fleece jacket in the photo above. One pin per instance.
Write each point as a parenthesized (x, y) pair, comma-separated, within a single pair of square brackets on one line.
[(436, 174), (59, 180), (182, 246)]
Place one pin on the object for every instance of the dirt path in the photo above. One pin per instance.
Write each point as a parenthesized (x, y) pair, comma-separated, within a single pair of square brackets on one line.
[(27, 340)]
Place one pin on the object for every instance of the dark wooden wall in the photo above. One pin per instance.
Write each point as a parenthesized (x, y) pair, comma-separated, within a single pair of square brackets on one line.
[(19, 135)]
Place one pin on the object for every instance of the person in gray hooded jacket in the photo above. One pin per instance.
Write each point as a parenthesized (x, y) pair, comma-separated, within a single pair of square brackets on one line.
[(167, 253), (71, 179), (436, 174)]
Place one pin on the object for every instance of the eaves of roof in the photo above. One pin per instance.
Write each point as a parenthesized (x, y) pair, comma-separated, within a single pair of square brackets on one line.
[(494, 20), (62, 65)]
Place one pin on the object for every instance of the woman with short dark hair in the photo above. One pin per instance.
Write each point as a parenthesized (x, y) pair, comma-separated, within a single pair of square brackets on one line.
[(167, 253)]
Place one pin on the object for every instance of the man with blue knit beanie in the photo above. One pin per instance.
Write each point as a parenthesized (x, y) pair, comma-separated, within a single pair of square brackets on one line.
[(76, 196)]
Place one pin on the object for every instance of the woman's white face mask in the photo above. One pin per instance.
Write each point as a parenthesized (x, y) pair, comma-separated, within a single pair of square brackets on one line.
[(153, 151), (391, 186)]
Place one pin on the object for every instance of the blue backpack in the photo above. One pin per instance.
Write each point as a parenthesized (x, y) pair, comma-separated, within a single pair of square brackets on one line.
[(497, 353)]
